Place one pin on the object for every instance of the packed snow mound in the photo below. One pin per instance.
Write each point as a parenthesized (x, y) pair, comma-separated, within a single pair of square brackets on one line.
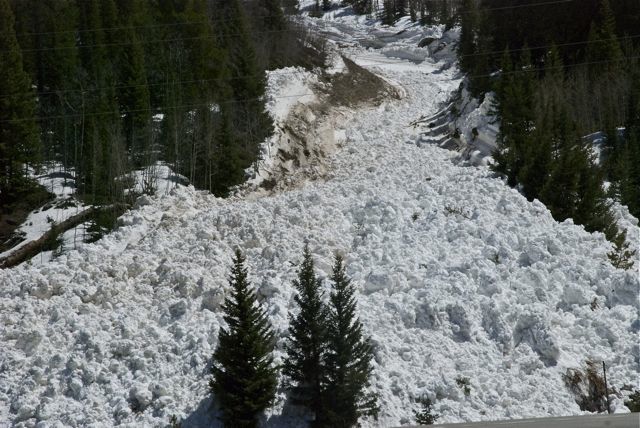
[(459, 276)]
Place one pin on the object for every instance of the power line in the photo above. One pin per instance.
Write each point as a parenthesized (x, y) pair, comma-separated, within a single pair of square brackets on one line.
[(242, 77), (127, 27), (212, 21), (145, 42), (209, 104), (519, 6), (583, 42)]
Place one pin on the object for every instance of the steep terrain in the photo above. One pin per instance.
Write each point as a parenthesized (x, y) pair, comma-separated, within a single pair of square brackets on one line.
[(459, 277)]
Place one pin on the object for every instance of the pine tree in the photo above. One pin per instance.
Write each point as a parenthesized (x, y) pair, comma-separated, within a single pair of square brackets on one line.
[(250, 120), (425, 416), (19, 142), (629, 159), (515, 96), (102, 153), (468, 29), (229, 170), (134, 99), (621, 256), (244, 379), (305, 366), (603, 43), (552, 125), (349, 356)]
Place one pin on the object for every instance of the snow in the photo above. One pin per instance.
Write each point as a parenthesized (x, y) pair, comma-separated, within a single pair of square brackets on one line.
[(458, 276), (158, 178), (60, 183), (286, 87)]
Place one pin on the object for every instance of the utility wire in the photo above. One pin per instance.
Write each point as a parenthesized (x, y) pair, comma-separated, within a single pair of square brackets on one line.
[(212, 21), (243, 101), (296, 73)]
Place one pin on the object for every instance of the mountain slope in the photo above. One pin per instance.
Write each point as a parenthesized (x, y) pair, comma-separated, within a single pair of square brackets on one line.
[(459, 276)]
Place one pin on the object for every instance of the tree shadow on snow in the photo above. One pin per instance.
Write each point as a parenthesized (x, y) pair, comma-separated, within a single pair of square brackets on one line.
[(204, 416)]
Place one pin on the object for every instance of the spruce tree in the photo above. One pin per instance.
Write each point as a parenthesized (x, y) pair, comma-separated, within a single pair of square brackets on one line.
[(134, 98), (244, 379), (349, 356), (425, 416), (19, 142), (305, 367), (603, 43), (515, 96), (247, 82), (629, 159), (468, 29), (621, 256)]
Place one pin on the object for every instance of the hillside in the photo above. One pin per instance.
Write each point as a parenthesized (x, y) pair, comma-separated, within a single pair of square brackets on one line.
[(459, 276)]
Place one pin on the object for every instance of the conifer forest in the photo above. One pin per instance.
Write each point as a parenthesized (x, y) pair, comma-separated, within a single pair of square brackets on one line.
[(319, 213)]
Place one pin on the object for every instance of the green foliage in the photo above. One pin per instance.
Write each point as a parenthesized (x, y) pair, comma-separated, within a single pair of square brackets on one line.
[(104, 68), (621, 256), (244, 378), (464, 383), (514, 94), (425, 416), (306, 365), (349, 356), (19, 142), (603, 49), (634, 402)]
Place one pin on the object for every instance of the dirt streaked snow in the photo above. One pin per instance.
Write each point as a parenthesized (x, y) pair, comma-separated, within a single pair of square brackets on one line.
[(458, 276)]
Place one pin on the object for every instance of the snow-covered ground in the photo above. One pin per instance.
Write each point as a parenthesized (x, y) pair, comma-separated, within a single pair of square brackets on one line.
[(459, 276), (60, 183)]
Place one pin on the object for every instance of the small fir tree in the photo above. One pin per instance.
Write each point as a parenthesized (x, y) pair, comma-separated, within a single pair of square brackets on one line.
[(244, 379), (621, 257), (305, 366), (425, 416), (349, 357)]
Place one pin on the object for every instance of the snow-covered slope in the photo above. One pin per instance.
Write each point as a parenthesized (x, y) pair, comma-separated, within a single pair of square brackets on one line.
[(459, 276)]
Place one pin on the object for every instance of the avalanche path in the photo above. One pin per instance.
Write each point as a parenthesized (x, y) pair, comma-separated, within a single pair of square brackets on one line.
[(459, 277)]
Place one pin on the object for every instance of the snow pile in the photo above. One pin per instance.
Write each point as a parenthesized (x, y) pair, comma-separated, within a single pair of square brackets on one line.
[(459, 277), (287, 87)]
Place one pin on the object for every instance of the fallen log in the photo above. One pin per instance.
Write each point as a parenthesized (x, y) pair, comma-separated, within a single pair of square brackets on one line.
[(33, 248)]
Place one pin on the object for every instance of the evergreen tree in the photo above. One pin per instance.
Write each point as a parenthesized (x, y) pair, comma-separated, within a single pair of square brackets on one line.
[(102, 155), (621, 256), (515, 96), (19, 143), (628, 167), (229, 171), (305, 366), (550, 133), (134, 99), (468, 29), (593, 209), (425, 416), (560, 192), (603, 43), (244, 379), (247, 81), (349, 356)]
